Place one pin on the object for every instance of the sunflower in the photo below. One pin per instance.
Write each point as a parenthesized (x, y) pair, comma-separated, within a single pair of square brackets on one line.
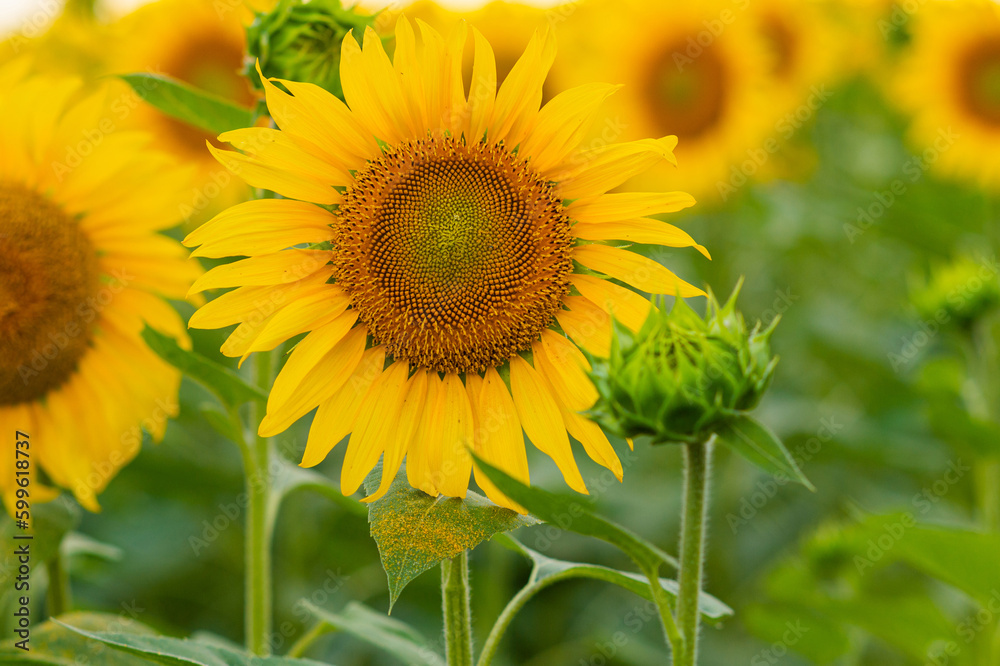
[(950, 82), (81, 269), (803, 48), (444, 252), (697, 70), (200, 43)]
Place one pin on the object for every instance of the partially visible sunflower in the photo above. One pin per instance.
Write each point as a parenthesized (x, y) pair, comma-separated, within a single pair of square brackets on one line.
[(201, 43), (81, 268), (949, 81), (803, 49), (691, 69), (446, 254)]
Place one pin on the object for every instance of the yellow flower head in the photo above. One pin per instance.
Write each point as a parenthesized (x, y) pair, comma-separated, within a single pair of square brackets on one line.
[(697, 70), (454, 250), (950, 82), (200, 43), (81, 269)]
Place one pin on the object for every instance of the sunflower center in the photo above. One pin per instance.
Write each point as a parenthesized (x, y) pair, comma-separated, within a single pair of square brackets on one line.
[(456, 256), (48, 271), (980, 81), (781, 39), (686, 97)]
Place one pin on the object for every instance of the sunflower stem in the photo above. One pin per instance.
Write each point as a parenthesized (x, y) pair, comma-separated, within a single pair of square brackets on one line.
[(58, 597), (259, 528), (692, 547), (456, 610)]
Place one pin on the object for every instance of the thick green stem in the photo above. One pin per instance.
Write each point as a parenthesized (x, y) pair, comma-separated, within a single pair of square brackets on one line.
[(456, 609), (696, 470), (256, 459), (58, 597)]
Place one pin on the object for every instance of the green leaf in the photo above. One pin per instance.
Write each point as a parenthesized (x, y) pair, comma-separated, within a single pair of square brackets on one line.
[(228, 386), (180, 651), (395, 637), (55, 645), (576, 514), (188, 104), (548, 570), (415, 531), (290, 478), (755, 442), (963, 558)]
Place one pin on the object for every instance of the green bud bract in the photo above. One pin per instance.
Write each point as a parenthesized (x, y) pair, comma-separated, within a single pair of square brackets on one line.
[(301, 41), (681, 375)]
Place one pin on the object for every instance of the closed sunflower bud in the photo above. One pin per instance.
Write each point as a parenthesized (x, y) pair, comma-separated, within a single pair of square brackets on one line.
[(959, 293), (301, 41), (681, 376)]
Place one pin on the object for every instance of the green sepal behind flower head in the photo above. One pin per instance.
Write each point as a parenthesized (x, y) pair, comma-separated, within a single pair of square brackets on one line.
[(301, 41), (681, 375)]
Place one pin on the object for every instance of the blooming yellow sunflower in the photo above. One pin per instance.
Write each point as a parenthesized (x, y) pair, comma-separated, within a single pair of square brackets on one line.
[(201, 43), (949, 81), (446, 253), (697, 70), (81, 269)]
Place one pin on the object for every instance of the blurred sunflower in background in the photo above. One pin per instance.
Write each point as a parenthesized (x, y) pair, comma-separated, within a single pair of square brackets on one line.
[(444, 269), (949, 81), (200, 43), (83, 268), (696, 70)]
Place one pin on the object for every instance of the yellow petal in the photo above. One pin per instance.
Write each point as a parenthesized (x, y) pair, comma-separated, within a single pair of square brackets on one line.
[(252, 303), (376, 422), (562, 124), (259, 227), (316, 115), (593, 439), (520, 94), (267, 269), (609, 167), (371, 88), (406, 425), (411, 76), (288, 184), (641, 230), (627, 205), (633, 269), (564, 372), (482, 89), (278, 150), (451, 461), (587, 324), (336, 417), (427, 437), (312, 309), (539, 415), (623, 304), (315, 370), (499, 440)]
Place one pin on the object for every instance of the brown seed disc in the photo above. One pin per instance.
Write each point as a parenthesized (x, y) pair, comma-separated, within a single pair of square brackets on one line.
[(48, 271), (456, 256)]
